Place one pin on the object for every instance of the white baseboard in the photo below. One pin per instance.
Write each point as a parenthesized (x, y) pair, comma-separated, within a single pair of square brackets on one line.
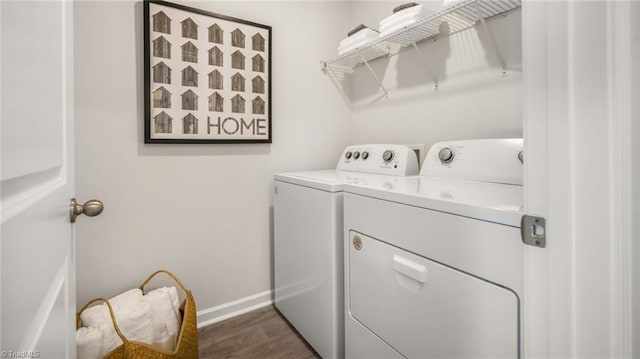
[(231, 309)]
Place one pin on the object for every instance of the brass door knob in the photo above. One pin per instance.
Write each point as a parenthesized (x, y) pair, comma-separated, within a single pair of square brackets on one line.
[(90, 208)]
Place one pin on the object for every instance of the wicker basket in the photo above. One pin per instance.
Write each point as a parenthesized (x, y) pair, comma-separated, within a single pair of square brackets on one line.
[(187, 346)]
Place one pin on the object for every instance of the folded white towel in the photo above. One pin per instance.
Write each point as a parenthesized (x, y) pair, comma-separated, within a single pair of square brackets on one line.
[(359, 36), (132, 315), (89, 342), (412, 12), (166, 339), (359, 39), (99, 315), (397, 26), (397, 20), (356, 42), (172, 292), (165, 316), (151, 319), (136, 322), (175, 300), (418, 10)]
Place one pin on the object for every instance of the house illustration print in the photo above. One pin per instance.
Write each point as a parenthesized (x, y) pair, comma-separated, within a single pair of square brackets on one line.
[(257, 63), (257, 106), (189, 52), (189, 77), (257, 42), (161, 73), (257, 85), (190, 124), (215, 56), (161, 48), (162, 123), (202, 70), (237, 38), (215, 34), (161, 98), (237, 104), (189, 100), (215, 80), (161, 22), (237, 60), (237, 82), (216, 102), (189, 29)]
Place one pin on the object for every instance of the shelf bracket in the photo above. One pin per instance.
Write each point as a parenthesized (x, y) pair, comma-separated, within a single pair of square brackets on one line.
[(492, 40), (422, 59), (373, 73)]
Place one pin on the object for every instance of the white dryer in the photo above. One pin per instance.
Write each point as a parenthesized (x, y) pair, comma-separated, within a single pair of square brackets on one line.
[(308, 242), (433, 264)]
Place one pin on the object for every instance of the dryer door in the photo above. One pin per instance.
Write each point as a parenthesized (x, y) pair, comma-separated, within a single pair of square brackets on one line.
[(424, 309)]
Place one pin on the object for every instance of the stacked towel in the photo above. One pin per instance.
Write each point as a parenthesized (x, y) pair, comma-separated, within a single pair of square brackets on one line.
[(89, 341), (136, 323), (132, 314), (403, 18), (152, 319), (165, 316), (361, 37)]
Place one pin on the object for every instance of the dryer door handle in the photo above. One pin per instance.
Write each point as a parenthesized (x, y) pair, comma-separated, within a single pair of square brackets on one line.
[(410, 269)]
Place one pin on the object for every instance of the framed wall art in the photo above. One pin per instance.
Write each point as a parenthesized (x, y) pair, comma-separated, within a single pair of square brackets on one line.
[(207, 77)]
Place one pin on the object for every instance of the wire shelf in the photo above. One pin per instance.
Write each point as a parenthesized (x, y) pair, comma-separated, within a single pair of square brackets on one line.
[(458, 17)]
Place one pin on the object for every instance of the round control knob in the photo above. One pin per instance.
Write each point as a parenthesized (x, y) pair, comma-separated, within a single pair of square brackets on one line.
[(446, 155), (387, 155), (365, 155), (347, 155), (356, 155)]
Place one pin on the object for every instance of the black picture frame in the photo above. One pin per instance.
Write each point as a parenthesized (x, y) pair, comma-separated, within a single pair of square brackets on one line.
[(190, 95)]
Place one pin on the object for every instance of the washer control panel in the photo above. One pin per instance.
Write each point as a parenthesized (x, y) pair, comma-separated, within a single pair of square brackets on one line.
[(395, 160), (486, 160)]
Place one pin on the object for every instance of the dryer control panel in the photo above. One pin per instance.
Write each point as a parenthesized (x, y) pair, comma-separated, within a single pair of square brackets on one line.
[(395, 160), (485, 160)]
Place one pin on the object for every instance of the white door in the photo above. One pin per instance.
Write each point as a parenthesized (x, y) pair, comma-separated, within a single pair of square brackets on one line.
[(37, 248), (580, 78)]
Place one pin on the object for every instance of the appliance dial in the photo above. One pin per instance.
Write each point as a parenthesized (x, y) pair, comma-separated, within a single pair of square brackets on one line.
[(521, 156), (347, 155), (446, 155), (388, 155), (356, 155), (365, 155)]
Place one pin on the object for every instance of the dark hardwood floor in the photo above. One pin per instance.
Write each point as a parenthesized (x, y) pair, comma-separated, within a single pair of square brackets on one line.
[(261, 334)]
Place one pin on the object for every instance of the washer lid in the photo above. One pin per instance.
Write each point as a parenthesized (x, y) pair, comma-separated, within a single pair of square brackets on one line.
[(330, 180), (492, 202)]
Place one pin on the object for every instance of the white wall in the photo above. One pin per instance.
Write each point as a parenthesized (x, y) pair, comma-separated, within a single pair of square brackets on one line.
[(202, 211), (473, 100)]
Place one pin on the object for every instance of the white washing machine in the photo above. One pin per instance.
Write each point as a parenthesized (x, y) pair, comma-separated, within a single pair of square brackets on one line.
[(308, 242), (434, 264)]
